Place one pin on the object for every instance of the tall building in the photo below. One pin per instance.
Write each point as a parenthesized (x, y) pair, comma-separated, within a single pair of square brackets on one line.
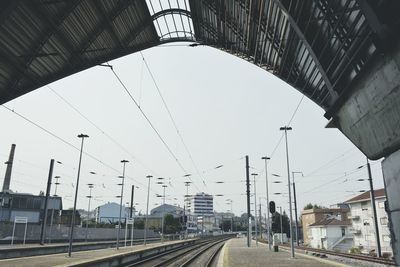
[(200, 204), (363, 229)]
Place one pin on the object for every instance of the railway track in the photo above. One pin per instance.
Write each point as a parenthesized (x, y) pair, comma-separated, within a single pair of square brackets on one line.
[(319, 252), (202, 253)]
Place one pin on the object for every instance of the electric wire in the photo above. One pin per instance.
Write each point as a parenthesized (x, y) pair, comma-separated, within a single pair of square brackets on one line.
[(173, 120), (149, 121), (99, 129), (66, 142), (288, 124)]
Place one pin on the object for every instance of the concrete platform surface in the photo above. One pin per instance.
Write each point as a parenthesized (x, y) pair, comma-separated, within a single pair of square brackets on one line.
[(236, 253), (77, 257)]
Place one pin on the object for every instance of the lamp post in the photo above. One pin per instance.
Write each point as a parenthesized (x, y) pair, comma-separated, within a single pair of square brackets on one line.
[(286, 129), (71, 232), (88, 211), (52, 210), (124, 161), (162, 221), (280, 220), (295, 207), (255, 207), (131, 212), (185, 217), (266, 190), (229, 202), (147, 210)]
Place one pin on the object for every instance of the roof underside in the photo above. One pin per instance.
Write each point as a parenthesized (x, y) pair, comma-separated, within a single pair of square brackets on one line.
[(317, 46)]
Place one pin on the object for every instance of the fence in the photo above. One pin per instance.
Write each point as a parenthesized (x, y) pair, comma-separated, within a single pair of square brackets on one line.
[(59, 233)]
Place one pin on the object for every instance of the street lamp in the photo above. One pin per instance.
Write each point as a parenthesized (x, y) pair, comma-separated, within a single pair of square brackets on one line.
[(147, 210), (286, 129), (88, 214), (185, 217), (295, 206), (131, 211), (124, 161), (255, 207), (52, 210), (230, 202), (71, 233), (162, 221), (266, 190)]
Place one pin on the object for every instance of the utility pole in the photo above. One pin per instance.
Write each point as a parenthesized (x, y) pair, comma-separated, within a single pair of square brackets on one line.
[(124, 161), (255, 207), (147, 211), (372, 194), (248, 202), (187, 184), (44, 219), (131, 212), (295, 207), (286, 128), (280, 213), (162, 221), (71, 232), (87, 219), (266, 189), (260, 216), (52, 210)]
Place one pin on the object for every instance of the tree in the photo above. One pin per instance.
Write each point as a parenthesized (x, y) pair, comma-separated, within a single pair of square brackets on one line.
[(312, 206), (171, 225), (276, 223)]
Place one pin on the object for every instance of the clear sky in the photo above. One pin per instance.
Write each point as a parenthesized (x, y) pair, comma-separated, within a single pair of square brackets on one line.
[(224, 108)]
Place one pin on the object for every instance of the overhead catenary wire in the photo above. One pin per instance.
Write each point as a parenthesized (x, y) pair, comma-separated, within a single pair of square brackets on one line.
[(172, 154), (113, 140), (148, 120), (173, 120), (66, 142)]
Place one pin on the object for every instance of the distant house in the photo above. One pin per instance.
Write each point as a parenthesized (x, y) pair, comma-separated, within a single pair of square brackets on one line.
[(27, 205), (109, 213), (161, 210), (363, 224), (331, 233), (311, 216)]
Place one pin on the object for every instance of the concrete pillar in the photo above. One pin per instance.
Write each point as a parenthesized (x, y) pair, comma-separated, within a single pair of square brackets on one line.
[(370, 117), (391, 173)]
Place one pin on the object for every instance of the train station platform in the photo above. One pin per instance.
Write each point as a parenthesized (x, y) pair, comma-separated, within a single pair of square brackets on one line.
[(83, 258), (236, 253)]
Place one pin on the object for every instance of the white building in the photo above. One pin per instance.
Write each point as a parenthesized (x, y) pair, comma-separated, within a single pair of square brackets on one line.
[(330, 233), (363, 224), (200, 204), (109, 213), (164, 209)]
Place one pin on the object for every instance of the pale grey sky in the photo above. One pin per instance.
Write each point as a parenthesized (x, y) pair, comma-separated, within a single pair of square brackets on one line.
[(224, 107)]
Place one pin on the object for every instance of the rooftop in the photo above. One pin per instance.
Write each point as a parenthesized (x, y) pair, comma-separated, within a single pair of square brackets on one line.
[(379, 193)]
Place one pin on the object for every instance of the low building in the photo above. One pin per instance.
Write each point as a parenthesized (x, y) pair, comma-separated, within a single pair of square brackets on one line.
[(363, 229), (161, 210), (29, 206), (109, 213), (330, 233), (311, 216)]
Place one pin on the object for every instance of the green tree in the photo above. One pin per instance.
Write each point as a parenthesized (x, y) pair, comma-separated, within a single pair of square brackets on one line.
[(171, 225), (276, 223), (312, 206)]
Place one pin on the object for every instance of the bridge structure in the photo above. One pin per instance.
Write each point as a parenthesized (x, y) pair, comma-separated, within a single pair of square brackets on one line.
[(342, 54)]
